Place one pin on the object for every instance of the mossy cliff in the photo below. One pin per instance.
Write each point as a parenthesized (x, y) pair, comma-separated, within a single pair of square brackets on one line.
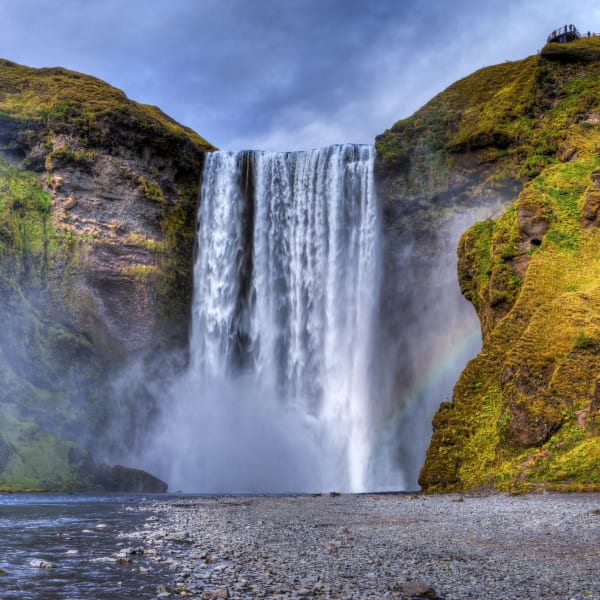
[(97, 209), (525, 413)]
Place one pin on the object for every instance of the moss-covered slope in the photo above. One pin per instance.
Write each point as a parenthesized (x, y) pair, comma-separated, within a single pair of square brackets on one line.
[(97, 218), (525, 413)]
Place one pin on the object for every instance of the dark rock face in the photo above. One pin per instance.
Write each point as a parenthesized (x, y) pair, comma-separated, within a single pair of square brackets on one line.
[(591, 206), (6, 452), (533, 223), (123, 479), (531, 428), (97, 239)]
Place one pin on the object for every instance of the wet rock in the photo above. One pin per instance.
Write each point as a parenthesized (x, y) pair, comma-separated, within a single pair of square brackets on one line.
[(590, 213), (415, 589), (215, 594), (125, 479), (6, 452), (40, 564)]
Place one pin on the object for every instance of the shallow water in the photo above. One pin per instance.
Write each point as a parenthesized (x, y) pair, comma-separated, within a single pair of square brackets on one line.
[(63, 529)]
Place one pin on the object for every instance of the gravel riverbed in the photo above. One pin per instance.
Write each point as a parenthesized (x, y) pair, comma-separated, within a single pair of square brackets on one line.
[(376, 546)]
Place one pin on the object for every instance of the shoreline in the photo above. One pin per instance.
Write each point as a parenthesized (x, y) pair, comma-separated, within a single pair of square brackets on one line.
[(375, 546)]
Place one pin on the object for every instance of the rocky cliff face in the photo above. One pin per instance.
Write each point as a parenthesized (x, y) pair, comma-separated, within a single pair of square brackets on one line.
[(97, 208), (98, 201), (525, 412)]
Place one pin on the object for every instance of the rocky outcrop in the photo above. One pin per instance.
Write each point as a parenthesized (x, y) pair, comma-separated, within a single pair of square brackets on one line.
[(96, 238), (123, 479), (523, 413)]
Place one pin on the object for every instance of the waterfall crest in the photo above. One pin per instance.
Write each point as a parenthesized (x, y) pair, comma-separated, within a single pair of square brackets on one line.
[(286, 292)]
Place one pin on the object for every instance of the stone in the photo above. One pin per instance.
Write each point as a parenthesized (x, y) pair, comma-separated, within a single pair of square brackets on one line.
[(532, 220), (124, 479), (591, 208), (415, 589), (215, 594), (40, 564), (530, 428)]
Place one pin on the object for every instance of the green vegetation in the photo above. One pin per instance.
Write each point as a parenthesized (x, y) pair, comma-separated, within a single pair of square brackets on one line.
[(37, 461), (151, 190), (59, 98), (24, 212), (525, 413), (65, 156)]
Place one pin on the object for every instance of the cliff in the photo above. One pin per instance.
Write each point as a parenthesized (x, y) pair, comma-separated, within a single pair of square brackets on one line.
[(97, 210), (525, 413), (97, 222)]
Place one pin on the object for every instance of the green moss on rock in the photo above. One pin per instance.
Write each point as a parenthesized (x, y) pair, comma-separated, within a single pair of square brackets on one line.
[(524, 412), (97, 194)]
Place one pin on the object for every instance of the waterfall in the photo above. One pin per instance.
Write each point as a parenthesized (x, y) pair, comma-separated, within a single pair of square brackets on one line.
[(278, 393), (324, 333)]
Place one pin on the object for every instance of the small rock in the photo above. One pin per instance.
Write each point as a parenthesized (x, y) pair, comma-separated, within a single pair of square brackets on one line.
[(304, 592), (69, 203), (56, 181), (40, 564), (215, 594), (416, 589), (161, 589)]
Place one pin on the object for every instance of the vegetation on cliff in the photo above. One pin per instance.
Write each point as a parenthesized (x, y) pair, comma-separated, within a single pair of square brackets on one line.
[(98, 199), (525, 413)]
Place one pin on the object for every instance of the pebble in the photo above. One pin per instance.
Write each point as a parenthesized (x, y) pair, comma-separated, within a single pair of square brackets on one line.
[(40, 564), (374, 546)]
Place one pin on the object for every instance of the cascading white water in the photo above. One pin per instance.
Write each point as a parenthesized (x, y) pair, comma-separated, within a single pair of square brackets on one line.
[(286, 290), (305, 373)]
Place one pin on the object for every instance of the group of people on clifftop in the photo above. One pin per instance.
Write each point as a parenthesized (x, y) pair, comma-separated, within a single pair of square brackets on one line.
[(568, 33)]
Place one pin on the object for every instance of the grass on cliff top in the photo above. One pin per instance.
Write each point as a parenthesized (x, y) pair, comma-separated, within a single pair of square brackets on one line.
[(57, 94), (518, 117), (490, 106), (585, 49)]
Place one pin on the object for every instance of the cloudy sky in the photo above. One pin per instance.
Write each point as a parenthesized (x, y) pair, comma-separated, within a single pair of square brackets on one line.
[(282, 74)]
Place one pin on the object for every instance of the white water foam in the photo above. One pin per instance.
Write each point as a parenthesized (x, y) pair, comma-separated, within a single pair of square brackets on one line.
[(277, 396)]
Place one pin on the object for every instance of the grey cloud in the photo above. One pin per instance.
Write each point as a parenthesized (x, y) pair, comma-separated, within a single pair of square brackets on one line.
[(288, 73)]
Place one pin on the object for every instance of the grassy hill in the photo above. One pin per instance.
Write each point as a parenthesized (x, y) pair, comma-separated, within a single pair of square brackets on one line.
[(525, 413)]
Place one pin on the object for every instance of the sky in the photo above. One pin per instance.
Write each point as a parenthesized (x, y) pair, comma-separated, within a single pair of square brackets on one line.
[(283, 74)]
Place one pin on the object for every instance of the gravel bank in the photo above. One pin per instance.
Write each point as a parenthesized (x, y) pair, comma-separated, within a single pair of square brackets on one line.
[(377, 546)]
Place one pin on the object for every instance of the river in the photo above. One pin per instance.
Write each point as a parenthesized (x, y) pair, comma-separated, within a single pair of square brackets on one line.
[(79, 536)]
